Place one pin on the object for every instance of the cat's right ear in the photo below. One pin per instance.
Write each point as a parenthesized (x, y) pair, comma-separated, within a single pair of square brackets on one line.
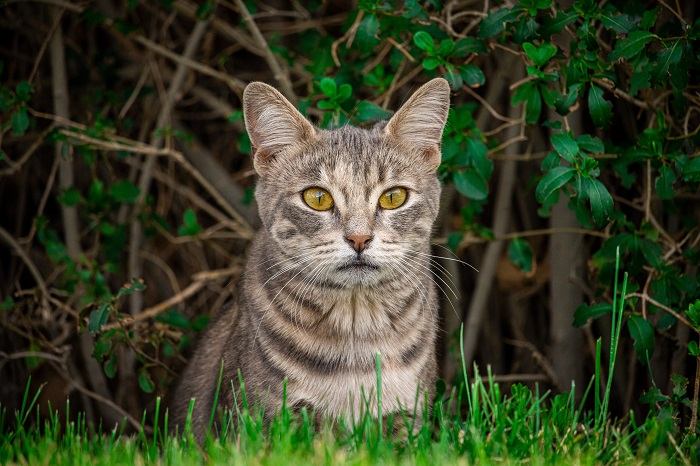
[(273, 124)]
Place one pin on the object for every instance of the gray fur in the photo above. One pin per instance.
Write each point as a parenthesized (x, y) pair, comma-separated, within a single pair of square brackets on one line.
[(303, 313)]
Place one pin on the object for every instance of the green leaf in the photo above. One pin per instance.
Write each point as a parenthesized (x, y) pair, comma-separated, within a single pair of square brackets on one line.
[(190, 226), (664, 182), (600, 200), (236, 115), (205, 9), (7, 304), (424, 41), (23, 91), (693, 349), (520, 254), (599, 108), (584, 313), (134, 286), (446, 47), (20, 121), (590, 143), (124, 191), (110, 366), (618, 23), (328, 87), (174, 318), (560, 21), (534, 106), (367, 33), (368, 111), (554, 180), (666, 58), (468, 45), (98, 318), (344, 92), (453, 239), (453, 77), (691, 169), (642, 333), (431, 63), (565, 146), (631, 45), (471, 184), (472, 75), (496, 22), (145, 381), (693, 314), (540, 55), (70, 197)]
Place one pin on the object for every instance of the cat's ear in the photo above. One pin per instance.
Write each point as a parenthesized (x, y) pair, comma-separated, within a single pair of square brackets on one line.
[(420, 121), (273, 124)]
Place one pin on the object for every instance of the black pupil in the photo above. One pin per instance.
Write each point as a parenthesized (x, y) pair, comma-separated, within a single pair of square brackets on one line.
[(319, 195)]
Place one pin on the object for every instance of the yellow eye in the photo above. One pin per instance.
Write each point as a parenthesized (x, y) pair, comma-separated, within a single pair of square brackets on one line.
[(393, 198), (318, 198)]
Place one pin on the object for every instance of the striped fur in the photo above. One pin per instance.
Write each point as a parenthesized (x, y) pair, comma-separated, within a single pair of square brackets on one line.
[(303, 315)]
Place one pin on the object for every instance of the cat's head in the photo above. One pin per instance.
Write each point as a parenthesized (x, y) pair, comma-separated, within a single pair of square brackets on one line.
[(348, 206)]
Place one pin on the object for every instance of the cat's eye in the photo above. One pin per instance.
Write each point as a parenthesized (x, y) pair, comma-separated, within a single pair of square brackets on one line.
[(393, 198), (318, 198)]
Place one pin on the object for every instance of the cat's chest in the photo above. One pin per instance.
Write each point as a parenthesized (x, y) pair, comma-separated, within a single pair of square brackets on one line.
[(350, 394)]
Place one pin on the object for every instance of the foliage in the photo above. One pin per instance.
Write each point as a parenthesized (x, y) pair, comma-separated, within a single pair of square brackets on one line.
[(608, 117)]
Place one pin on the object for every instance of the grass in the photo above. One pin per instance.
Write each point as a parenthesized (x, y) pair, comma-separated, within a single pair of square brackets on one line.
[(474, 422)]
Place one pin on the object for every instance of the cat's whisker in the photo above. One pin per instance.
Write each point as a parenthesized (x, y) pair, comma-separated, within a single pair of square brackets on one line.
[(456, 259), (288, 259), (435, 275), (298, 292), (429, 275), (287, 269), (272, 301), (442, 268)]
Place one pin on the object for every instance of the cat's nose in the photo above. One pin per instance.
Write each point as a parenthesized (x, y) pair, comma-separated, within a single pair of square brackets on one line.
[(358, 242)]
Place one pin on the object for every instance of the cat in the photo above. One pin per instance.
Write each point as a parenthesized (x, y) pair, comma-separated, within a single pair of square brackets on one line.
[(339, 271)]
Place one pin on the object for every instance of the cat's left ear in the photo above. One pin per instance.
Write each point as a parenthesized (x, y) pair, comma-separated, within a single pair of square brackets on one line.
[(420, 121), (273, 124)]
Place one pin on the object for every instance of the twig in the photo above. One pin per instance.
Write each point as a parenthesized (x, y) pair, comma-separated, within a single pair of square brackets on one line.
[(44, 45), (206, 164), (222, 27), (234, 83), (70, 213), (10, 240), (350, 32), (401, 49), (488, 106), (199, 281), (696, 394), (281, 75), (15, 166), (621, 94), (136, 147), (482, 290), (651, 300), (105, 401), (134, 262), (539, 358), (57, 3)]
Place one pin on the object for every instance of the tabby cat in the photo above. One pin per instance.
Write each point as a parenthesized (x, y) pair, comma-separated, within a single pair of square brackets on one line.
[(339, 270)]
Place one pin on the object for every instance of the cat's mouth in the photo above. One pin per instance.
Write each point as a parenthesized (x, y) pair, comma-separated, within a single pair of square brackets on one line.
[(359, 265)]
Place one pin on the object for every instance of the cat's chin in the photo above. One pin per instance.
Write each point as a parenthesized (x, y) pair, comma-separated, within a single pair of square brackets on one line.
[(358, 273)]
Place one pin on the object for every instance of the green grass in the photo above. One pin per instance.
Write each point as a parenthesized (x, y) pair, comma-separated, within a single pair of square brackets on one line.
[(474, 422)]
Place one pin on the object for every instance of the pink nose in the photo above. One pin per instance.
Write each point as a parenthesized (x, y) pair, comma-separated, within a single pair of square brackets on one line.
[(358, 242)]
